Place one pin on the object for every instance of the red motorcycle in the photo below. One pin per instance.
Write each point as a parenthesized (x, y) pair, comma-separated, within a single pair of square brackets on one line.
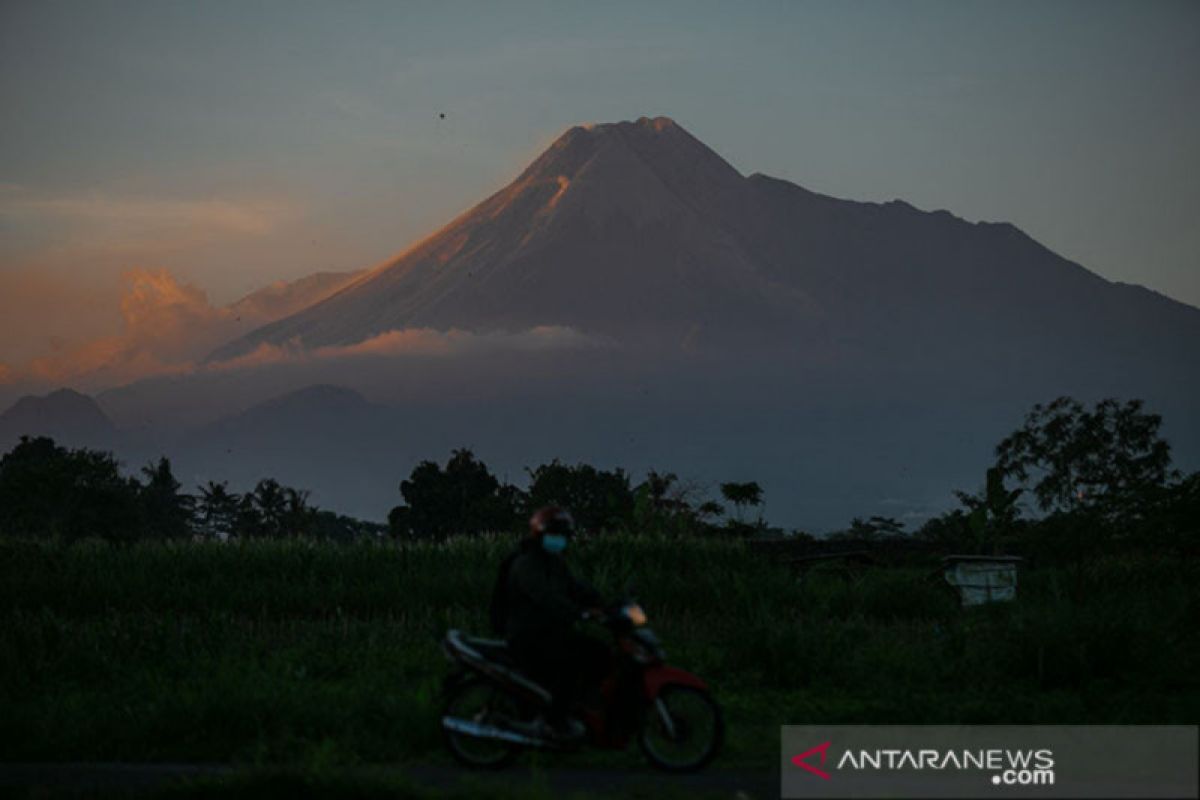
[(490, 705)]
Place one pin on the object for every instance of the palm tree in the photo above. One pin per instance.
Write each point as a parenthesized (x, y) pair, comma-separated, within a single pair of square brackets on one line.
[(297, 518), (269, 500), (217, 510), (742, 495)]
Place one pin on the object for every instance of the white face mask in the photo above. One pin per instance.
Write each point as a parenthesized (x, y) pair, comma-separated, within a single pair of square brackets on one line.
[(554, 542)]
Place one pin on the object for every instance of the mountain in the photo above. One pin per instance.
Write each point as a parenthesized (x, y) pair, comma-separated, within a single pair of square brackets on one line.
[(638, 232), (853, 358), (68, 417)]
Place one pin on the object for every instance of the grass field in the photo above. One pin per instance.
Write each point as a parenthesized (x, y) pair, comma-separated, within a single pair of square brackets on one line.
[(294, 652)]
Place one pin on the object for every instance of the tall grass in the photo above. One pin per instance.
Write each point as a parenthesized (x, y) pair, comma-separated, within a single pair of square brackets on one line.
[(271, 651)]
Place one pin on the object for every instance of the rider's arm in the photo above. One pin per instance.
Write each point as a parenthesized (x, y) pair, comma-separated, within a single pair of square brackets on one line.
[(585, 595)]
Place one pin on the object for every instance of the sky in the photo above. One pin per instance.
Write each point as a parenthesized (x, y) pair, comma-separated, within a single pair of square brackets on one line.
[(207, 149)]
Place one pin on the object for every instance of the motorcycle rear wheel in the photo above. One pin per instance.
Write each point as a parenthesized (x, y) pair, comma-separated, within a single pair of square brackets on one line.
[(482, 702), (696, 733)]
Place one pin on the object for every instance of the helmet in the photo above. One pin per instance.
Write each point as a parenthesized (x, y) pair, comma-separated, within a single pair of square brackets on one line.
[(551, 519)]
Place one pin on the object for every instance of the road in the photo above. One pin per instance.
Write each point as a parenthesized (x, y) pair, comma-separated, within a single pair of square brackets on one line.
[(85, 778)]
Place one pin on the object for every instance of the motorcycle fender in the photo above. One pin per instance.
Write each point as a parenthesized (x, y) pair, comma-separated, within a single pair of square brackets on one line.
[(653, 680)]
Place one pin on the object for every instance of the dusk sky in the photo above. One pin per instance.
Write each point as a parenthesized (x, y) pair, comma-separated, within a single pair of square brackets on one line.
[(234, 144)]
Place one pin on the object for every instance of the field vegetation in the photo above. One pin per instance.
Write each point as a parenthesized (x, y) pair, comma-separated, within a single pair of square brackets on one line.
[(254, 629), (268, 651)]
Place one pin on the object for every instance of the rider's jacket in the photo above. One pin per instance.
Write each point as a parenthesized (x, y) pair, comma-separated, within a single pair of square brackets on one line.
[(543, 597)]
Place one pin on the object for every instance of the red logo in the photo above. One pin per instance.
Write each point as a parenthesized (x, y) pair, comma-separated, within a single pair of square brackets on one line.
[(799, 761)]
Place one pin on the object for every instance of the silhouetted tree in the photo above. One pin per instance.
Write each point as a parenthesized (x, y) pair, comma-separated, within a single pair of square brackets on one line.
[(1107, 462), (742, 495), (167, 512), (269, 503), (298, 518), (1173, 517), (598, 499), (873, 529), (464, 498), (991, 515), (50, 490), (217, 510)]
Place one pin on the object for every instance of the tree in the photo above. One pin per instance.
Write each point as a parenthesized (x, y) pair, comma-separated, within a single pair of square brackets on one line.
[(168, 513), (874, 529), (1106, 462), (464, 498), (1174, 517), (217, 510), (298, 518), (599, 500), (950, 531), (262, 510), (993, 515), (742, 495), (49, 490)]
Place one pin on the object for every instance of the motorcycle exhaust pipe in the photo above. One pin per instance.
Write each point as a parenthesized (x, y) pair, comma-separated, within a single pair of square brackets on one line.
[(471, 728)]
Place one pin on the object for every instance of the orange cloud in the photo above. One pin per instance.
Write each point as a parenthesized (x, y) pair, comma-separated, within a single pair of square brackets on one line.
[(417, 342), (168, 327)]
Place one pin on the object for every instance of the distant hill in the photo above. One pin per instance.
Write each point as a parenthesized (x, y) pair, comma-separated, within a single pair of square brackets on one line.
[(70, 418), (316, 437)]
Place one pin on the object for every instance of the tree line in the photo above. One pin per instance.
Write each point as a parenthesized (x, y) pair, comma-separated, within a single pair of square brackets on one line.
[(465, 498), (1072, 480), (1070, 483), (50, 490)]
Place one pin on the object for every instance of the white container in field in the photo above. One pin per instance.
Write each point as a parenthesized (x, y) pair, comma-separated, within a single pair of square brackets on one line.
[(982, 579)]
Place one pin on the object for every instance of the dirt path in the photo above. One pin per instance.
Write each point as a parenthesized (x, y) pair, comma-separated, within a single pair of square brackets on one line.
[(83, 779)]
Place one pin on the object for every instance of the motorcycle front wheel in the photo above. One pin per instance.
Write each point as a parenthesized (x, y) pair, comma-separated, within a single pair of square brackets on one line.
[(480, 702), (683, 729)]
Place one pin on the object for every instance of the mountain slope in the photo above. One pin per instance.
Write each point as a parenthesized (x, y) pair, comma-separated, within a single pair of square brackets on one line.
[(287, 297), (610, 230)]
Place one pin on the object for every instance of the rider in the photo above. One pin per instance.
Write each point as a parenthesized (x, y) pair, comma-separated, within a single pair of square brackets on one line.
[(537, 602)]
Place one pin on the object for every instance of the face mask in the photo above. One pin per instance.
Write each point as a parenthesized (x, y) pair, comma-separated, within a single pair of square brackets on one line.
[(554, 542)]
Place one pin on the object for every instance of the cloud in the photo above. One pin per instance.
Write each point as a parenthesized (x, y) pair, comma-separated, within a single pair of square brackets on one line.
[(419, 342), (168, 327)]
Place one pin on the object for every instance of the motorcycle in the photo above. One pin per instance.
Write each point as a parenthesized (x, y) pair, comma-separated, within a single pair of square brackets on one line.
[(490, 704)]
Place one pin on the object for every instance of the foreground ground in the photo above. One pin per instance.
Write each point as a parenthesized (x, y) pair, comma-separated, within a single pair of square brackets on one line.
[(326, 655), (417, 781)]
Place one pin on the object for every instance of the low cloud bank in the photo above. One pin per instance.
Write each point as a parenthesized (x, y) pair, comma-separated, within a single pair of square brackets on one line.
[(418, 342), (168, 327)]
